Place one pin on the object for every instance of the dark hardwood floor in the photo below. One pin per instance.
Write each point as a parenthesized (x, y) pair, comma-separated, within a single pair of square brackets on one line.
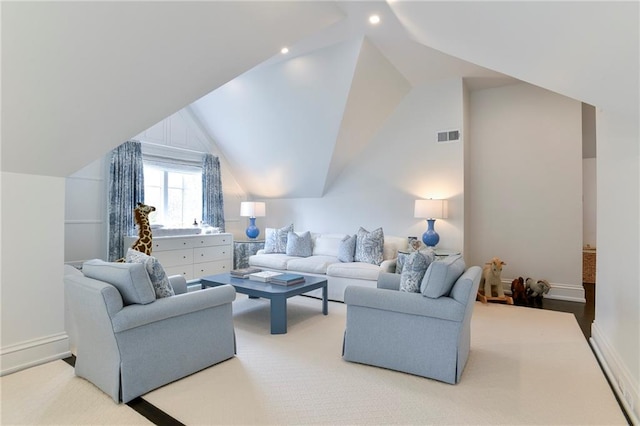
[(584, 312)]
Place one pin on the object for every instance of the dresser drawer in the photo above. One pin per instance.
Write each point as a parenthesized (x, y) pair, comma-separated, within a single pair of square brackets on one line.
[(212, 240), (210, 268), (208, 254), (185, 270), (174, 257), (162, 244)]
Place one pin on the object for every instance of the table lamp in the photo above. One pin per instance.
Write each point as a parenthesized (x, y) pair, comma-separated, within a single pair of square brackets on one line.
[(430, 210), (252, 209)]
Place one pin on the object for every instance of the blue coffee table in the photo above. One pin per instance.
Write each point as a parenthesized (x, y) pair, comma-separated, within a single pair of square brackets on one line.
[(277, 294)]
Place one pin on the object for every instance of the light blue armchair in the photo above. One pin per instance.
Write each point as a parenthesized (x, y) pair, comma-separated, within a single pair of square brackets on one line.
[(128, 343), (410, 332)]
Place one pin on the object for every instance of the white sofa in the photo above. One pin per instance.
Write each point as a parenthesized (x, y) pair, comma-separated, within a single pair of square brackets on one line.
[(324, 262)]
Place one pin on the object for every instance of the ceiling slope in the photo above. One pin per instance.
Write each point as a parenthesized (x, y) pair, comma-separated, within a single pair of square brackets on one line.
[(376, 90), (584, 50), (79, 78), (278, 123)]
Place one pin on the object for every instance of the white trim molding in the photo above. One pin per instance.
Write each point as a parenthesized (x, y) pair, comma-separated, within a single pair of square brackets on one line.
[(621, 380), (34, 352), (559, 291)]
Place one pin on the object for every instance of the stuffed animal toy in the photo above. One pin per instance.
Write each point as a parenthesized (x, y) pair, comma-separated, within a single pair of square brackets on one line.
[(535, 289), (491, 281), (518, 291), (141, 215)]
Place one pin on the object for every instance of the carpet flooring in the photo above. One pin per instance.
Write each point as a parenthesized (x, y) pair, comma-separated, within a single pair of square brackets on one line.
[(527, 366)]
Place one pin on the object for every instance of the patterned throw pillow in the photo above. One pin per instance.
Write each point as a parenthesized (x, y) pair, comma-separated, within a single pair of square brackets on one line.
[(369, 246), (299, 245), (158, 277), (414, 270), (401, 260), (347, 249), (275, 240)]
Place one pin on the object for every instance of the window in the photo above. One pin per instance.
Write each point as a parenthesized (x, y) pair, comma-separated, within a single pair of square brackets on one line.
[(175, 190)]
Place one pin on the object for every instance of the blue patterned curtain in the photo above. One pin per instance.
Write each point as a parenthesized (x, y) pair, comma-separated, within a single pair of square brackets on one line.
[(212, 203), (126, 189)]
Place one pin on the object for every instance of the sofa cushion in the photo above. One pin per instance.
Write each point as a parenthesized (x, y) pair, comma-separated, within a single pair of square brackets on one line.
[(401, 260), (347, 249), (270, 261), (276, 239), (299, 245), (394, 244), (311, 264), (131, 279), (359, 270), (327, 244), (441, 275), (369, 246), (156, 272), (414, 269)]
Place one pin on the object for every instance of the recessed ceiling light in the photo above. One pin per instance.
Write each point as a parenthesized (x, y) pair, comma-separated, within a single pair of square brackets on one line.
[(374, 19), (284, 50)]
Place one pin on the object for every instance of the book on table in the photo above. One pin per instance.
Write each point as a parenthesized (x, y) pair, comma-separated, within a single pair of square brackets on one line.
[(264, 276), (244, 272), (287, 279)]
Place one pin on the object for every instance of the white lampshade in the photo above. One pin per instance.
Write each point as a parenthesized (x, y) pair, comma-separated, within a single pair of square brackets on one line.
[(252, 209), (430, 209)]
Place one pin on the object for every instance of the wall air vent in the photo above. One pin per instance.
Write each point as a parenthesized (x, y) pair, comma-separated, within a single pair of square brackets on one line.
[(449, 136)]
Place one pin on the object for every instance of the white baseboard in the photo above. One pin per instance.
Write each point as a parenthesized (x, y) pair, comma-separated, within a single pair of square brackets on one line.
[(33, 352), (620, 378), (569, 293)]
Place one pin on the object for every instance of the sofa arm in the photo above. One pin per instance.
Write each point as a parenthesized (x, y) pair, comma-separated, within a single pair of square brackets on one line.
[(402, 302), (132, 316), (388, 265)]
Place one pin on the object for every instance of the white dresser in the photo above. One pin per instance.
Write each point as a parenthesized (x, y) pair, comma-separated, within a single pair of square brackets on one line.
[(193, 256)]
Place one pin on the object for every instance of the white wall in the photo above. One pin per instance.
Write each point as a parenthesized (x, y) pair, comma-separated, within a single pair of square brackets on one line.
[(85, 224), (589, 202), (33, 329), (524, 198), (615, 331), (402, 163)]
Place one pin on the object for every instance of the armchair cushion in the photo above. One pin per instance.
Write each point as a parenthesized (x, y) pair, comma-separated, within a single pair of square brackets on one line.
[(131, 279), (441, 275), (156, 272), (414, 269)]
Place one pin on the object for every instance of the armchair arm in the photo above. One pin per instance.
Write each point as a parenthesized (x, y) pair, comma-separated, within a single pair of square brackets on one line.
[(389, 281), (444, 308), (178, 283), (132, 316)]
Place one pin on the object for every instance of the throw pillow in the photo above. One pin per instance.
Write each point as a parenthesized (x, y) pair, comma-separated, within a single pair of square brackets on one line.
[(156, 272), (131, 280), (401, 260), (347, 249), (369, 246), (299, 245), (275, 240), (414, 269), (441, 275)]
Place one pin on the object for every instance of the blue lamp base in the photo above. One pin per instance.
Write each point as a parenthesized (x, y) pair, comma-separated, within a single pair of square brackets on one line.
[(252, 230), (430, 238)]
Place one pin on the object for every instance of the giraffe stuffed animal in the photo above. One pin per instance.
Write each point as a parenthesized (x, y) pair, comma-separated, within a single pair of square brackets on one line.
[(141, 215)]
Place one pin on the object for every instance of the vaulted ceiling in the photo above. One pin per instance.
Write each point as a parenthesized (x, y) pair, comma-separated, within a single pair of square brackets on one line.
[(78, 78)]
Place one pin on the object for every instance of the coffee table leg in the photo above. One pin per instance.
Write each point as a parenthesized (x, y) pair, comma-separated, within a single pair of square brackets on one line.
[(278, 315), (325, 300)]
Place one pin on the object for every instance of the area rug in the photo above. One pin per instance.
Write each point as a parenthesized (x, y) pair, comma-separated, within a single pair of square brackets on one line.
[(527, 366), (51, 394)]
